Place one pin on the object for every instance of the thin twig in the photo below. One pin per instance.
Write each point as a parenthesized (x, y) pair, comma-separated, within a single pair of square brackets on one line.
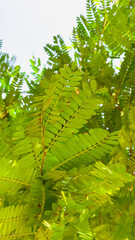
[(44, 153), (115, 101), (35, 155), (104, 27), (4, 115), (121, 83)]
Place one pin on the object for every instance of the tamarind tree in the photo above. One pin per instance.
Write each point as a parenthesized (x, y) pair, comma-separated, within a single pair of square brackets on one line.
[(67, 147)]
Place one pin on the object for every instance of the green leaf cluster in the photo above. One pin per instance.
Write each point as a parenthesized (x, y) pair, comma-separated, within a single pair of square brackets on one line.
[(67, 147)]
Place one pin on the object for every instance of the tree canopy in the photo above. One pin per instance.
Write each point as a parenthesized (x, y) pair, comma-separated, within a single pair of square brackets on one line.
[(67, 152)]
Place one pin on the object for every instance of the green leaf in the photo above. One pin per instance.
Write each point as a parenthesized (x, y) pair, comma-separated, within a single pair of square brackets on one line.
[(67, 68), (93, 85), (86, 88), (102, 90), (36, 69), (64, 73), (75, 79)]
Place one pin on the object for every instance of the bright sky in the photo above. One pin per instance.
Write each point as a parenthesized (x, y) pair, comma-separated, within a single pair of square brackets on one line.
[(27, 25)]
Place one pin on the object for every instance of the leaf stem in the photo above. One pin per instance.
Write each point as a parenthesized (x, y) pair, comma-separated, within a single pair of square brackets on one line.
[(44, 152)]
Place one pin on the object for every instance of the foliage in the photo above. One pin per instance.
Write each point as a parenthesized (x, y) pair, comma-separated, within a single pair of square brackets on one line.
[(67, 155)]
